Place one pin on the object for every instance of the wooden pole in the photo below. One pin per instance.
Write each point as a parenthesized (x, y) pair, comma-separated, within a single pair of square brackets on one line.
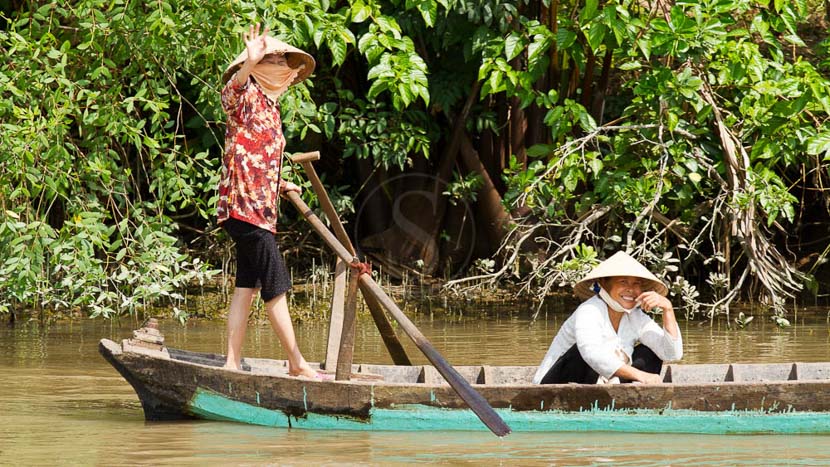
[(336, 319), (387, 332), (477, 403), (345, 354)]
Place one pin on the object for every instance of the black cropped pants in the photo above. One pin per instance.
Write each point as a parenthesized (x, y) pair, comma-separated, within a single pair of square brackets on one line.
[(571, 367)]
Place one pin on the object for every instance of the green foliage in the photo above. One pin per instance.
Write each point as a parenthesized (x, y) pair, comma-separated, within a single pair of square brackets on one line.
[(777, 106), (395, 66), (111, 126), (389, 138), (463, 189), (574, 269), (680, 71), (92, 164), (110, 139)]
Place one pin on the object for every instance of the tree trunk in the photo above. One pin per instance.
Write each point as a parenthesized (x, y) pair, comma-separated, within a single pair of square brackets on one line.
[(598, 105), (489, 205), (372, 202), (588, 77), (502, 145), (518, 130), (553, 25)]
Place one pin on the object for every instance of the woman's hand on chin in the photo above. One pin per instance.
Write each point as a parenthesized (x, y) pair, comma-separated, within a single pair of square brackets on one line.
[(651, 300)]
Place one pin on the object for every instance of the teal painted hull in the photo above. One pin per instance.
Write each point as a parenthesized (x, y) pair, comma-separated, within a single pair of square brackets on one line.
[(213, 406)]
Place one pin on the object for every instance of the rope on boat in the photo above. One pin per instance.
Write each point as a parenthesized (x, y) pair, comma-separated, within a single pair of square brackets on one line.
[(359, 268)]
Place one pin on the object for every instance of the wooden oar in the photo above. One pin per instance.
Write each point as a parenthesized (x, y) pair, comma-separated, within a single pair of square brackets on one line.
[(473, 399)]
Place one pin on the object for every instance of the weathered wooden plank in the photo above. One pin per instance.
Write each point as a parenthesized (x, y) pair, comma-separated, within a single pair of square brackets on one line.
[(704, 373), (507, 374), (338, 300), (394, 374), (346, 352), (757, 372), (431, 376), (812, 371)]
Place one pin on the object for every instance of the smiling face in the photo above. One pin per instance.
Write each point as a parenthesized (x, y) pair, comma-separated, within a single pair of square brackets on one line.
[(623, 289)]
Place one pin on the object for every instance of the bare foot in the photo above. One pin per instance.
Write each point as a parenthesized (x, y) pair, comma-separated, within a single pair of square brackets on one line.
[(304, 370), (231, 366)]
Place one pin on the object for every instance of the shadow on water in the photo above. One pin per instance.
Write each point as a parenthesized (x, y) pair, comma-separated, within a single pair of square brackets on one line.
[(60, 400)]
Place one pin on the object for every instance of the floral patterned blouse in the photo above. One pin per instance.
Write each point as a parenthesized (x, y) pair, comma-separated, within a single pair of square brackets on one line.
[(249, 186)]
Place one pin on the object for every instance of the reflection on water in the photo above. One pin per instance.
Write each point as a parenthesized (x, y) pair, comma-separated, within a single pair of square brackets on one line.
[(61, 402)]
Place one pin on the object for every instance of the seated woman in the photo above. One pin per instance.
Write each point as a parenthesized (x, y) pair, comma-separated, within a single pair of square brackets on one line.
[(598, 342)]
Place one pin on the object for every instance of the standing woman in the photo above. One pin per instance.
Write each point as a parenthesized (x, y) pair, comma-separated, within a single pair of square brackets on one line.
[(251, 185), (609, 339)]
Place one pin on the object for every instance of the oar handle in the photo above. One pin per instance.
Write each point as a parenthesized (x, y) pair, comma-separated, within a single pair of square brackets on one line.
[(469, 395)]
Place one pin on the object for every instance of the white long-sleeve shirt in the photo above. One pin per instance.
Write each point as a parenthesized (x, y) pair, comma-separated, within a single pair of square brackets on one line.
[(590, 328)]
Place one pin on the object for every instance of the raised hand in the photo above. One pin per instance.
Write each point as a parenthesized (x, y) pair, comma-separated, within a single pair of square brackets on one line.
[(255, 43), (651, 300)]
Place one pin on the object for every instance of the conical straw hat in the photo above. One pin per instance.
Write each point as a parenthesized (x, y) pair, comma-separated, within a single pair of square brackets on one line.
[(294, 56), (620, 264)]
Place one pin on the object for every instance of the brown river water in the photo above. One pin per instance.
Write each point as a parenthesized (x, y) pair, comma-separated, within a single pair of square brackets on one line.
[(61, 403)]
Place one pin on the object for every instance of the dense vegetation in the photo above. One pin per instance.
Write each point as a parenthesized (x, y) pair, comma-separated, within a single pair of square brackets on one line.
[(539, 135)]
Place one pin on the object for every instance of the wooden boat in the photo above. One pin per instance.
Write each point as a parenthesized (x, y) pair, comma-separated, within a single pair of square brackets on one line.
[(710, 398), (174, 384)]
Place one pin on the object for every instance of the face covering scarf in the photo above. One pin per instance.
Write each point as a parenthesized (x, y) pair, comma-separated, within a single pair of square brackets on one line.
[(615, 305), (274, 79)]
